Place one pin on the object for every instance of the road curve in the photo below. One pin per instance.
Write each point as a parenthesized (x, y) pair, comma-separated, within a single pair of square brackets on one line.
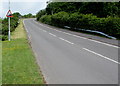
[(65, 58)]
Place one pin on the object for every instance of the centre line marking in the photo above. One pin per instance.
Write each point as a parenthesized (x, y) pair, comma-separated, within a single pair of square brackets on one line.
[(44, 30), (101, 55), (66, 40), (52, 34)]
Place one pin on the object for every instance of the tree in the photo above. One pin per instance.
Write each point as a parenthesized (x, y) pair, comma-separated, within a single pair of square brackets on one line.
[(100, 9), (28, 16), (40, 14)]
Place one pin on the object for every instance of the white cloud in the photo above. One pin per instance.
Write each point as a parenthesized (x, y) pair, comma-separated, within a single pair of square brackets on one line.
[(22, 7), (1, 9), (25, 0)]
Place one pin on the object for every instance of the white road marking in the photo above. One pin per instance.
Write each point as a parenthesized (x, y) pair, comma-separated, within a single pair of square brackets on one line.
[(83, 48), (52, 34), (92, 40), (35, 54), (66, 40), (101, 55), (104, 43), (25, 26), (26, 30), (82, 37), (67, 33), (29, 36), (56, 30), (44, 30)]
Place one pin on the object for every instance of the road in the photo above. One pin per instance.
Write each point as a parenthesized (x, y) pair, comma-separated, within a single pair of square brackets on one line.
[(66, 58)]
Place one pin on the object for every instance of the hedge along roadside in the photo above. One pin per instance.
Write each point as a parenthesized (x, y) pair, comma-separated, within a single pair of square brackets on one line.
[(109, 25)]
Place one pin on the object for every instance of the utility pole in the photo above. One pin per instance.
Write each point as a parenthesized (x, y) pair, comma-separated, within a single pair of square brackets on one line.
[(9, 24)]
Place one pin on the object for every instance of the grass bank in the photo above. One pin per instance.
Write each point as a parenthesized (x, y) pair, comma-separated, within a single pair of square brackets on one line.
[(18, 62)]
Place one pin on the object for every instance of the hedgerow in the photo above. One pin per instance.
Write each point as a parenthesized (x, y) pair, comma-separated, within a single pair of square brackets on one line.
[(46, 19), (109, 25)]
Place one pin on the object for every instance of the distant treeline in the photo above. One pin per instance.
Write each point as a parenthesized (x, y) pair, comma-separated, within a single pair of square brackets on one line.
[(28, 16), (14, 23), (99, 16)]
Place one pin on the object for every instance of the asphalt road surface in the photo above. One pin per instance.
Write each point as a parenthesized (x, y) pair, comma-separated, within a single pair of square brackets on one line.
[(66, 58)]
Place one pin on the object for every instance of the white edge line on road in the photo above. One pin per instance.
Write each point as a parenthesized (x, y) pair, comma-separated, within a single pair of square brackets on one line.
[(26, 30), (66, 40), (29, 36), (92, 40), (82, 37), (101, 55), (35, 54), (52, 34), (25, 26)]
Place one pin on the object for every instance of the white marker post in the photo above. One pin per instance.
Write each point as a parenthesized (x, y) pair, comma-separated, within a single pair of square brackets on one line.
[(9, 29), (9, 14), (9, 24)]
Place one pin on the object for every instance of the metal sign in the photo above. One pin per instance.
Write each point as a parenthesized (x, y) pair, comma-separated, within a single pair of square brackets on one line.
[(9, 14)]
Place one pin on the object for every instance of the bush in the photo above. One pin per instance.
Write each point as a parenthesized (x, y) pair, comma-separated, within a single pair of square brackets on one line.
[(46, 19), (40, 14), (0, 37), (113, 26), (14, 24), (60, 19), (84, 21), (4, 37), (109, 25)]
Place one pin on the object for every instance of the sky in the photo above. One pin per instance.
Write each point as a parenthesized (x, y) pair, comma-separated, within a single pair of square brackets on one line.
[(22, 6)]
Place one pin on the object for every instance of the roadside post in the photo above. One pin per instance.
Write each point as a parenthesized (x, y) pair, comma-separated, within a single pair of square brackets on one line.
[(9, 14)]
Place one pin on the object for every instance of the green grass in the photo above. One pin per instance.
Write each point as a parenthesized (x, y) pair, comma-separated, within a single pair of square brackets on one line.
[(19, 31), (0, 62), (18, 62)]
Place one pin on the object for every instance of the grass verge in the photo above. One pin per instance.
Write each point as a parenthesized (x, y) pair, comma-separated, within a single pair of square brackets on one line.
[(0, 63), (19, 31), (18, 62)]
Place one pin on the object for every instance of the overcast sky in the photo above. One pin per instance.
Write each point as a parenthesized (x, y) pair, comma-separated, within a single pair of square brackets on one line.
[(22, 6)]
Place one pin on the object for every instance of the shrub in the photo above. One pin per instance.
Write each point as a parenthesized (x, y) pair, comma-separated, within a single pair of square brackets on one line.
[(4, 37), (109, 25), (40, 14), (46, 19), (74, 20), (60, 19), (14, 24), (86, 21), (113, 26)]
